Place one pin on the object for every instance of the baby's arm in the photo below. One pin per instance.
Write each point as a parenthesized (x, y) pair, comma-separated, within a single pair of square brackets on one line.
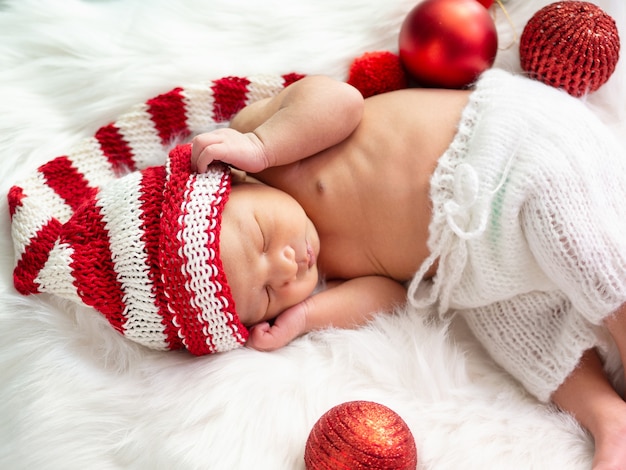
[(347, 305), (305, 118)]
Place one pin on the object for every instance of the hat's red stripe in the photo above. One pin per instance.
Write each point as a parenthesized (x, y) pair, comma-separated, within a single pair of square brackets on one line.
[(229, 95), (151, 198), (115, 148), (92, 265), (15, 197), (35, 257), (67, 181), (290, 78), (168, 114)]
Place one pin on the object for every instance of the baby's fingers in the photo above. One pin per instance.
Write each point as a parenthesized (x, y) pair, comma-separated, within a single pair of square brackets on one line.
[(261, 337), (203, 151)]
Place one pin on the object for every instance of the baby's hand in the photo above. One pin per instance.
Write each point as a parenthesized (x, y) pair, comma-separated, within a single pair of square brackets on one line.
[(263, 338), (243, 151), (287, 326)]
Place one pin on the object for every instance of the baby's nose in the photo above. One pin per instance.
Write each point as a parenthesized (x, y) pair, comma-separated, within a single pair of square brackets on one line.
[(286, 266)]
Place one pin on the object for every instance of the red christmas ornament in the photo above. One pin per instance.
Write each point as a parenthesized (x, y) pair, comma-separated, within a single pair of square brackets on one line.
[(448, 43), (572, 45), (377, 72), (360, 434)]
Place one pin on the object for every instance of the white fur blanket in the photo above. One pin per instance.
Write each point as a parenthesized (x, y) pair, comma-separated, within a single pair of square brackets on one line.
[(74, 394)]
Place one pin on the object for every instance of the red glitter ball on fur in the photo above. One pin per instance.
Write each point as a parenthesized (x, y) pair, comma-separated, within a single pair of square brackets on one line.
[(572, 45), (360, 434), (377, 72)]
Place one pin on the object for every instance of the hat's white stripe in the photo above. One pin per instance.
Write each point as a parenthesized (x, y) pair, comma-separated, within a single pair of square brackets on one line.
[(198, 226), (139, 131), (36, 209), (121, 208), (56, 275), (199, 101), (87, 157), (264, 86)]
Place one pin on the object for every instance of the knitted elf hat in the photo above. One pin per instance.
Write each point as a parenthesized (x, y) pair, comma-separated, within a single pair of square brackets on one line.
[(141, 247)]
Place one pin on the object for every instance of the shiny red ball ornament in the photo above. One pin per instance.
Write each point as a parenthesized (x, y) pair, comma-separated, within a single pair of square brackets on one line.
[(486, 3), (448, 43), (377, 72), (360, 434), (572, 45)]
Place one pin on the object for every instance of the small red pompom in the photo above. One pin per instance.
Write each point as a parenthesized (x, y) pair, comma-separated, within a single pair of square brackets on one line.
[(360, 434), (377, 72), (572, 45)]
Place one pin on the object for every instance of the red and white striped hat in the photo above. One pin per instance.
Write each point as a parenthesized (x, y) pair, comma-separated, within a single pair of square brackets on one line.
[(139, 246)]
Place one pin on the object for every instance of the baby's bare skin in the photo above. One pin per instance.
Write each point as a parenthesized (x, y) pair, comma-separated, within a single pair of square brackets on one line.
[(365, 189), (368, 195)]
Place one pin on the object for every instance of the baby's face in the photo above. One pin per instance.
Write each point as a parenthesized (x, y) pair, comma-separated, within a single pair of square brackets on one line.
[(269, 249)]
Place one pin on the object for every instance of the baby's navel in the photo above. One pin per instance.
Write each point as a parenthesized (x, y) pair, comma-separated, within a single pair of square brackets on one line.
[(320, 188)]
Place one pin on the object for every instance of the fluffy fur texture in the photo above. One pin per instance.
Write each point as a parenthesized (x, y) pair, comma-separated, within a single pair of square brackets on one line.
[(75, 394)]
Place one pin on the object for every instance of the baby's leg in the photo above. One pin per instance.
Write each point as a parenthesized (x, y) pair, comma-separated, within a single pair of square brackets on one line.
[(590, 398), (616, 325)]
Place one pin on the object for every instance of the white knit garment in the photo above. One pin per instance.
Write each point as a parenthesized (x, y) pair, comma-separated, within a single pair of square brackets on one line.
[(529, 226)]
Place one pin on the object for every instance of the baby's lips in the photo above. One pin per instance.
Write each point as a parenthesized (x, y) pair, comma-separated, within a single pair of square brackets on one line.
[(310, 255)]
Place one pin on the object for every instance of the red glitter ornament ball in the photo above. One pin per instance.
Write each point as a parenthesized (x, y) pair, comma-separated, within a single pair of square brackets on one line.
[(377, 72), (572, 45), (360, 434)]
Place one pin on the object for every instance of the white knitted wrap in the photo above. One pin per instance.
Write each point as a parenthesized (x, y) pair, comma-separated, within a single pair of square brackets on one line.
[(529, 226)]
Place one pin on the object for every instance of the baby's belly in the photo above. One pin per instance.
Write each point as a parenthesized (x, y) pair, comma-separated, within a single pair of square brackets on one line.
[(358, 239), (372, 214)]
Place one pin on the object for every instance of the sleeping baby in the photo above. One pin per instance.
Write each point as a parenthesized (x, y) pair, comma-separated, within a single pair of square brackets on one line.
[(502, 204)]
